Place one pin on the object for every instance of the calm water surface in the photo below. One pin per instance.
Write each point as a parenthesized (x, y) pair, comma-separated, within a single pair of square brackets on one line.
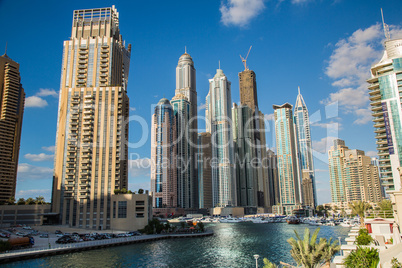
[(233, 245)]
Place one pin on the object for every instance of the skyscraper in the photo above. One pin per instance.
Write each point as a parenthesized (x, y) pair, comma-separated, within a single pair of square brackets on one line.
[(248, 97), (204, 170), (163, 156), (287, 157), (245, 153), (12, 98), (306, 155), (384, 89), (92, 131), (352, 175), (186, 85), (219, 118), (186, 190), (272, 171)]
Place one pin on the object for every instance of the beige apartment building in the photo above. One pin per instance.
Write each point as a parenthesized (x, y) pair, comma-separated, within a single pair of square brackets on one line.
[(92, 130), (12, 98), (352, 175)]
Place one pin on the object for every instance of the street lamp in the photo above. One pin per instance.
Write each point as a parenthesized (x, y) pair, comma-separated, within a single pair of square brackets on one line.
[(339, 238), (256, 256)]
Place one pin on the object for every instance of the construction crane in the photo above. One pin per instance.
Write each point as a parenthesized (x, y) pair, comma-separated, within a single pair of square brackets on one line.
[(244, 60)]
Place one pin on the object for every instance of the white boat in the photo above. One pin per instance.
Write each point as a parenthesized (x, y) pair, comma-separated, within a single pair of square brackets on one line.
[(230, 220)]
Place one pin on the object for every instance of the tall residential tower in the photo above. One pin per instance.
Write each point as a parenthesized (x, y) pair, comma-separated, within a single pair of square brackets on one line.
[(12, 99), (306, 155), (92, 130), (186, 86), (219, 119)]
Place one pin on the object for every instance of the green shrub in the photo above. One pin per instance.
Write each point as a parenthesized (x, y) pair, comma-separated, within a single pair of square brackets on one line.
[(363, 239), (362, 258), (4, 245)]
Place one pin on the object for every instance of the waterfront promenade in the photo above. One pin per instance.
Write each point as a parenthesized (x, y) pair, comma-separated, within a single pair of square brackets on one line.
[(56, 249)]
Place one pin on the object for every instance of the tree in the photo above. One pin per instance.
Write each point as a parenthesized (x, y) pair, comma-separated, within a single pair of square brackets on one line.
[(30, 201), (10, 201), (358, 208), (140, 191), (40, 200), (21, 201), (363, 239), (200, 225), (362, 258), (308, 253), (385, 204), (268, 264)]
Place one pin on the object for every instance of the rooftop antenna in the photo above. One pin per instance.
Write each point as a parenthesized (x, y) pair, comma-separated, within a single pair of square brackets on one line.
[(219, 64), (298, 88), (386, 27), (244, 60), (185, 49), (5, 52)]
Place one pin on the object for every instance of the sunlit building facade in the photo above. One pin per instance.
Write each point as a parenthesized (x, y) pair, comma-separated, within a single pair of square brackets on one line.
[(385, 86), (12, 98), (91, 158), (302, 123), (219, 119)]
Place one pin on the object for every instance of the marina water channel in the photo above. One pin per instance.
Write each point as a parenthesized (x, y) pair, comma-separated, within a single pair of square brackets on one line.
[(232, 245)]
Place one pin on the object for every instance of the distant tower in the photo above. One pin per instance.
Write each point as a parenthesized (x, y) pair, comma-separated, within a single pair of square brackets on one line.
[(163, 156), (205, 170), (219, 117), (186, 190), (91, 159), (244, 141), (386, 106), (306, 155), (186, 85), (287, 157), (12, 98)]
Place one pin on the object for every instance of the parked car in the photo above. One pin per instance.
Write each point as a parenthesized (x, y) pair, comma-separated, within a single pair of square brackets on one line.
[(27, 228), (19, 234), (44, 236), (58, 232)]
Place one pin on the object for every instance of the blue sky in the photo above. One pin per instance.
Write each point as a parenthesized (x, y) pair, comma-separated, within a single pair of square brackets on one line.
[(325, 47)]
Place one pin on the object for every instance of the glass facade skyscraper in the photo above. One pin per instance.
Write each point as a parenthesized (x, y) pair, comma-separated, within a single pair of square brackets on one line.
[(163, 156), (219, 119), (305, 149), (287, 158), (386, 107)]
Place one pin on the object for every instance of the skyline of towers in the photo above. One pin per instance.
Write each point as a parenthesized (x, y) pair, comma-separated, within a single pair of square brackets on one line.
[(287, 159), (352, 175), (307, 179), (164, 156), (12, 99), (91, 157), (384, 93), (219, 119)]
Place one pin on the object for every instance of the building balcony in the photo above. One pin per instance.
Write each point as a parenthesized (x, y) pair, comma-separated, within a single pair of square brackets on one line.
[(104, 55), (88, 112), (83, 52), (104, 46), (104, 70), (86, 156), (82, 62), (104, 66), (88, 122), (83, 57), (81, 81), (81, 76), (68, 191), (103, 80), (88, 101), (82, 66), (380, 124), (105, 60), (103, 75)]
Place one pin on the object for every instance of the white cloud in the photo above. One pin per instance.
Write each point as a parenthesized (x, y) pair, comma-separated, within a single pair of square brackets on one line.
[(133, 109), (349, 67), (49, 148), (330, 126), (240, 12), (34, 101), (320, 170), (39, 157), (323, 145), (34, 193), (202, 107), (269, 117), (139, 185), (139, 167), (44, 92), (27, 171)]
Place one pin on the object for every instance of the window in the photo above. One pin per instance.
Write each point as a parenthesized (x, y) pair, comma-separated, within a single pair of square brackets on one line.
[(140, 215), (122, 209), (139, 203)]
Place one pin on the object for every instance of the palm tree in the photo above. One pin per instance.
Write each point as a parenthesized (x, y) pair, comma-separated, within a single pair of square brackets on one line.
[(308, 253), (268, 264), (359, 207), (40, 200)]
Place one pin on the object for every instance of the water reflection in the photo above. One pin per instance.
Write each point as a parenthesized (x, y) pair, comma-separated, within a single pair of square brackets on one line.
[(233, 245)]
